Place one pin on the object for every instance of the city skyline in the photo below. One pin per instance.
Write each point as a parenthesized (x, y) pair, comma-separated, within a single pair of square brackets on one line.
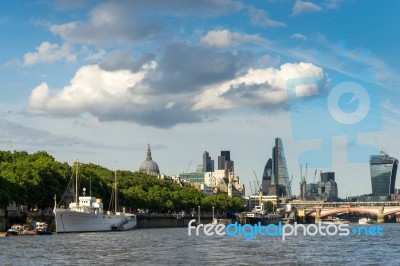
[(99, 80)]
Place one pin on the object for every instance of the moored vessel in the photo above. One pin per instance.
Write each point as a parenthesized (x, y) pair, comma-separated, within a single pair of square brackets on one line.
[(86, 214), (334, 220), (366, 220)]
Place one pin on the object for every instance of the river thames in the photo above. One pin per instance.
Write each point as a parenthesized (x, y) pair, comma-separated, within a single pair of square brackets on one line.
[(174, 246)]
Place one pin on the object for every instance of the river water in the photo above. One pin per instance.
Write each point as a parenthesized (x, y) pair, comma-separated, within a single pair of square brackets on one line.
[(174, 246)]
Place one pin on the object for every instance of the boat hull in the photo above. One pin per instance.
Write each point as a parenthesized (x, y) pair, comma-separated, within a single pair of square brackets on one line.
[(68, 221)]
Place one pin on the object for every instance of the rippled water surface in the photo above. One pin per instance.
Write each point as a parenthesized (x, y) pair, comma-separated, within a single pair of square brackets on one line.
[(174, 246)]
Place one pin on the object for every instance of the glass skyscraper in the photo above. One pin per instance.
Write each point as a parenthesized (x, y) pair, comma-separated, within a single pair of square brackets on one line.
[(275, 176), (383, 174)]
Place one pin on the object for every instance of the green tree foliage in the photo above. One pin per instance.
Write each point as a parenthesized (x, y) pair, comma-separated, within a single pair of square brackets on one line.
[(5, 192), (269, 206), (33, 180)]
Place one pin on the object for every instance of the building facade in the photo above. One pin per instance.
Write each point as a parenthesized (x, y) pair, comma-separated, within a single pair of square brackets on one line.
[(224, 161), (383, 170), (275, 175), (208, 164)]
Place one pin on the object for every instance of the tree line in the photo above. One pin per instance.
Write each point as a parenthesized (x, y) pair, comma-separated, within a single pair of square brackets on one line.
[(32, 180)]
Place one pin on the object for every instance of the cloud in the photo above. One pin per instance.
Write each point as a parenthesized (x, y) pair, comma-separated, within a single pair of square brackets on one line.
[(110, 22), (356, 62), (299, 36), (225, 38), (260, 17), (333, 4), (11, 64), (301, 7), (184, 68), (265, 88), (267, 60), (118, 60), (69, 4), (111, 96), (47, 52), (186, 84), (32, 137), (127, 21)]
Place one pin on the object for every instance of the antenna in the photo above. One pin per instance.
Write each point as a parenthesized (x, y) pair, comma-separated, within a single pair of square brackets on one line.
[(116, 189), (381, 149)]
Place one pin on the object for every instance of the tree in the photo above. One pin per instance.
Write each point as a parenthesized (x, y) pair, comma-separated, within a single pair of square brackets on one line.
[(269, 206)]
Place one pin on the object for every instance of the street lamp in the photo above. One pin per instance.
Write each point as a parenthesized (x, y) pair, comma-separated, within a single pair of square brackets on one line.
[(198, 215)]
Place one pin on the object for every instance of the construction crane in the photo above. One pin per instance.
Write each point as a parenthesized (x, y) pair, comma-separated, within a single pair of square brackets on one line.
[(251, 189), (305, 177), (290, 182), (258, 182), (315, 174), (190, 163)]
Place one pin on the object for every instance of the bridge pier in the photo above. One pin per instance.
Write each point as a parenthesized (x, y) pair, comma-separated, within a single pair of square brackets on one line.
[(317, 215), (380, 217)]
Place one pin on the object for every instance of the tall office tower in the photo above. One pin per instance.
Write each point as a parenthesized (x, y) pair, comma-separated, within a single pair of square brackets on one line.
[(226, 154), (224, 161), (266, 179), (383, 170), (325, 177), (275, 176), (208, 164), (280, 173)]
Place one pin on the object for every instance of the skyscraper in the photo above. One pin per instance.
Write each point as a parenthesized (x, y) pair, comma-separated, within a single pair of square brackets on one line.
[(208, 164), (326, 176), (275, 175), (266, 179), (224, 161), (280, 168), (383, 174)]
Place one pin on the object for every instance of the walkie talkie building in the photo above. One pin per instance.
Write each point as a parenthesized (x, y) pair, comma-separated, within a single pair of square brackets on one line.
[(383, 174)]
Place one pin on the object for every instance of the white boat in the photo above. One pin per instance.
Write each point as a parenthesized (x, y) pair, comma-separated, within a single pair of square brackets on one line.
[(86, 214), (217, 221), (334, 220), (16, 229), (365, 220)]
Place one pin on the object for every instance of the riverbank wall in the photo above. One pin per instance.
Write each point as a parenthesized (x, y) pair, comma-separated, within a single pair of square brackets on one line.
[(159, 220)]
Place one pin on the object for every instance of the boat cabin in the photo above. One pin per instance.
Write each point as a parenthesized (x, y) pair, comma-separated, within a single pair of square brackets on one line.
[(88, 204)]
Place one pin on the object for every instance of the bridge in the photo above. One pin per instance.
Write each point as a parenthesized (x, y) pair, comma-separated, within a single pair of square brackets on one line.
[(320, 209)]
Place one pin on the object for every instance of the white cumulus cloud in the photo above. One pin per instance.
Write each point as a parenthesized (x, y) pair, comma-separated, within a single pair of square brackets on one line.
[(91, 90), (259, 87), (225, 38), (299, 37), (48, 52), (301, 7)]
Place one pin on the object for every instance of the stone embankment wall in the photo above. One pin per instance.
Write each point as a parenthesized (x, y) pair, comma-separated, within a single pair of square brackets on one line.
[(147, 220)]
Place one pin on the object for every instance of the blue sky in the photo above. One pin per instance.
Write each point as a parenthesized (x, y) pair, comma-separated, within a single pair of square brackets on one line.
[(98, 80)]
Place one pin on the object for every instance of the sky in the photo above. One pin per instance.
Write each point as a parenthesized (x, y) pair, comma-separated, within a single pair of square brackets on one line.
[(99, 80)]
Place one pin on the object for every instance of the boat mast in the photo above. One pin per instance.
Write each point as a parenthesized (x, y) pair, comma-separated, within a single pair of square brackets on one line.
[(76, 185), (116, 189)]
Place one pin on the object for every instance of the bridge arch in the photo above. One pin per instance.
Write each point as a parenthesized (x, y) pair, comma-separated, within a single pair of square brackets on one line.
[(328, 212)]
